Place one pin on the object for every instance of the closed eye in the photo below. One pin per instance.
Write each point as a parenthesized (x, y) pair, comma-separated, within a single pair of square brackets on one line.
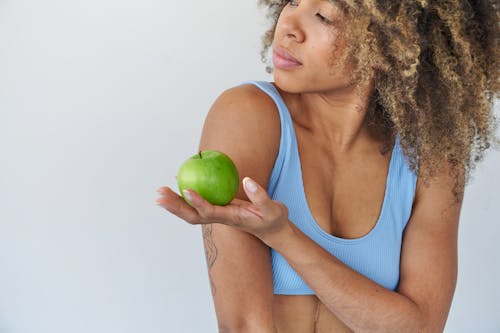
[(323, 19)]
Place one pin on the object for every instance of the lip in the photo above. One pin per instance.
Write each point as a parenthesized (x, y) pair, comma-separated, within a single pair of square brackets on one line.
[(283, 59)]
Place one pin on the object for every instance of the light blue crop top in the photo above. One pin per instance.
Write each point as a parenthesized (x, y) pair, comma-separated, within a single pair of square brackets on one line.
[(376, 255)]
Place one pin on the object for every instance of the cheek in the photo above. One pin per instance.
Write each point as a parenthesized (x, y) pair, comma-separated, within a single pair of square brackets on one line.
[(330, 63), (331, 48)]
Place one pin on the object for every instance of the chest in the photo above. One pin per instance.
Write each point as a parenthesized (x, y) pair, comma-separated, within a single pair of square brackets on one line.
[(345, 198)]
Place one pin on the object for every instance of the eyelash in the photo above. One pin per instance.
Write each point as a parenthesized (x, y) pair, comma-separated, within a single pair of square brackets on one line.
[(321, 17)]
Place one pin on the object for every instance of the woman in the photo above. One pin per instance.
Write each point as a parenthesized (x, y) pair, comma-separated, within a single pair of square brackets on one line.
[(354, 163)]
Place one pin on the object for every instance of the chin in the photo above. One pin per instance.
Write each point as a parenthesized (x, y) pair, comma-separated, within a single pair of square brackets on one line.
[(309, 84), (289, 85)]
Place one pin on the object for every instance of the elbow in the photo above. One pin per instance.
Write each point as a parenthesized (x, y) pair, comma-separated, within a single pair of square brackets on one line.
[(428, 323), (416, 322), (419, 324), (424, 324)]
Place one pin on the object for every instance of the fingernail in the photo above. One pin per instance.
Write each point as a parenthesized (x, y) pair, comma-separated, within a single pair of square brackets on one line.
[(187, 195), (249, 184), (158, 202)]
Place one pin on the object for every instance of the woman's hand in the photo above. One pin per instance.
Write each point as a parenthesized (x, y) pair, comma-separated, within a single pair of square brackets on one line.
[(262, 217)]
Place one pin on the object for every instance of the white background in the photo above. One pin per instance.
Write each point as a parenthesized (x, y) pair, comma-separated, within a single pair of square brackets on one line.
[(100, 103)]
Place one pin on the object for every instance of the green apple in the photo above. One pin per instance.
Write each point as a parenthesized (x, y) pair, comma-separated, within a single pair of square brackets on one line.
[(212, 174)]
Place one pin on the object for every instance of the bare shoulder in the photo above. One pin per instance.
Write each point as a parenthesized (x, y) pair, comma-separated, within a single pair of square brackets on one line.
[(249, 100), (244, 122), (440, 186)]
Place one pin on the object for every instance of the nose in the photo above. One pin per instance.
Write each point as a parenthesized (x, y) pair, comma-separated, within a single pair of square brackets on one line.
[(289, 26)]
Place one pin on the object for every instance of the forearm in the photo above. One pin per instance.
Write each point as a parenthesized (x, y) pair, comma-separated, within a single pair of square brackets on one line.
[(359, 302), (240, 273)]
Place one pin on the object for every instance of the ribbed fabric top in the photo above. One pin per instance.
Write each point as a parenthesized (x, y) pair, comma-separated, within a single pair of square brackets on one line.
[(376, 255)]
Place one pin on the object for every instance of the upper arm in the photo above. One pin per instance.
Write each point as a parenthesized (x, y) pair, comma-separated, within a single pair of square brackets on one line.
[(244, 124), (429, 252)]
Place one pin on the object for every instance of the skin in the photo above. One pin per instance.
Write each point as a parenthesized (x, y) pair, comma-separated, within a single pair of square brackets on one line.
[(329, 108), (329, 117)]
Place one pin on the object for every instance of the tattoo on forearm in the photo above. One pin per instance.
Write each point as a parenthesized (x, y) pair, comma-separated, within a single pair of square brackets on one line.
[(210, 252)]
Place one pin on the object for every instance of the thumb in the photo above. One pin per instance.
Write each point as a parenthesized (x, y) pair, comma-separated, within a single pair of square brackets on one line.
[(257, 194)]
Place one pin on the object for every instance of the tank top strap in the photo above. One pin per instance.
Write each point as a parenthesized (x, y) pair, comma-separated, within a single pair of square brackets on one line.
[(403, 186), (286, 132)]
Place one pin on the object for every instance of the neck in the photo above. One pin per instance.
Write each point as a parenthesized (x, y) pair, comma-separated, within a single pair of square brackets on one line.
[(337, 120)]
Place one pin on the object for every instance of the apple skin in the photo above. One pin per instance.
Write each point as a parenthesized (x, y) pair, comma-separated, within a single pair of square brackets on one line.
[(212, 174)]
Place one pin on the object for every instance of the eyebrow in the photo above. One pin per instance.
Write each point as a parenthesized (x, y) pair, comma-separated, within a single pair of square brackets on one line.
[(334, 3)]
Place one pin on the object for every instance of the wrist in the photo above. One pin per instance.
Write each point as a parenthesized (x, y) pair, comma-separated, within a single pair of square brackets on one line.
[(278, 239)]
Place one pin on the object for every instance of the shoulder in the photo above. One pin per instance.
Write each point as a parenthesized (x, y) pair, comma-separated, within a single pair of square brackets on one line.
[(248, 108), (440, 187), (251, 112), (243, 122), (436, 210), (250, 98)]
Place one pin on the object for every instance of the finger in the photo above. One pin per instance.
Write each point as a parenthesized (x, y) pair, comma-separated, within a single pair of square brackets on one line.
[(229, 214), (246, 205), (259, 197), (204, 208), (175, 204), (238, 213)]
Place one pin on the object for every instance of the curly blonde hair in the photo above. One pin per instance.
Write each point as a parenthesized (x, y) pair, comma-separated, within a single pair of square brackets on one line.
[(436, 80)]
